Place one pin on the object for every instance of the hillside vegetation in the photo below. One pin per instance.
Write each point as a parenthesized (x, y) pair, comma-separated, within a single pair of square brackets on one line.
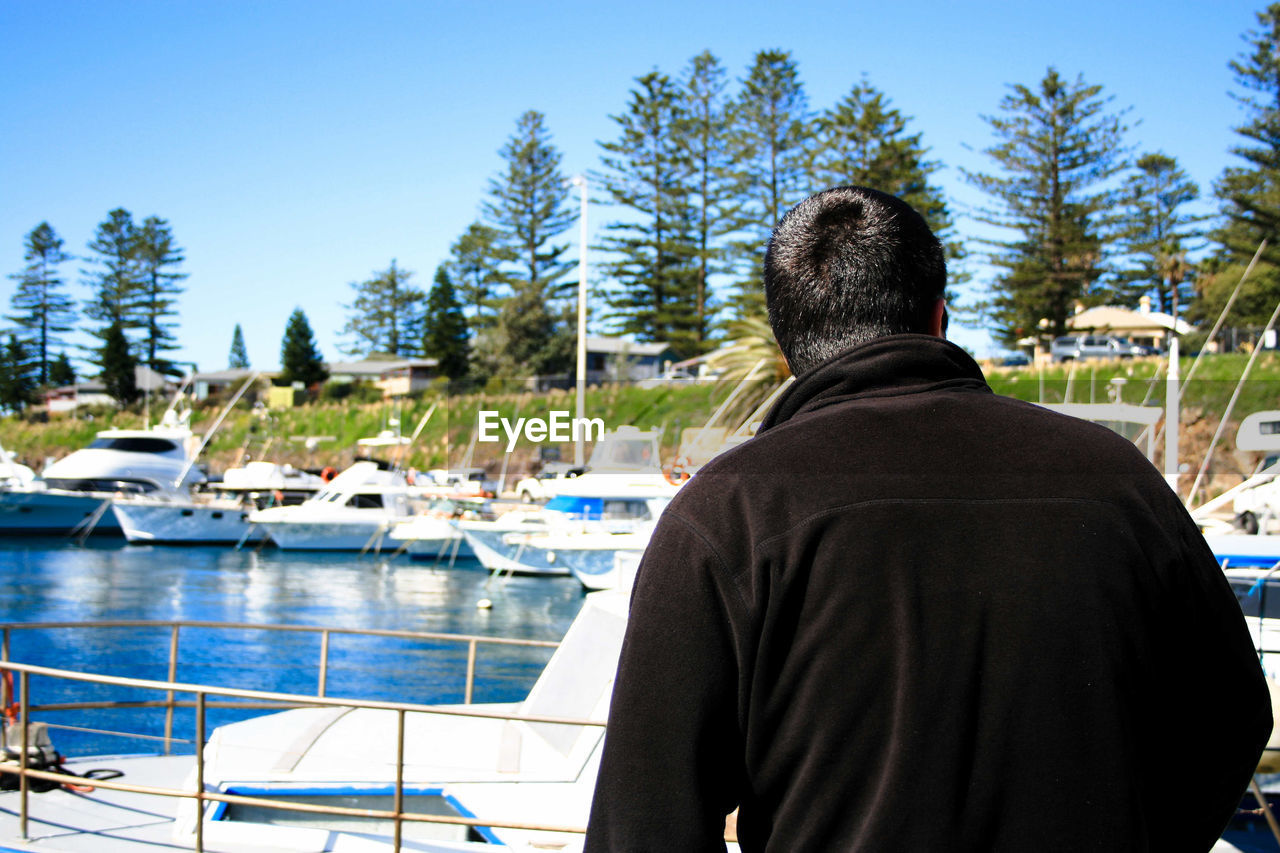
[(447, 438)]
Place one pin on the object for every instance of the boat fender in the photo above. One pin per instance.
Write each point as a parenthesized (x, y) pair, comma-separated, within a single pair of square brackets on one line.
[(677, 472), (328, 473)]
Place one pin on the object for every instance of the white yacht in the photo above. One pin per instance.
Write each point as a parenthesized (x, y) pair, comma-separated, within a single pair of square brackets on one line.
[(353, 512), (76, 491), (184, 519), (220, 517), (622, 490)]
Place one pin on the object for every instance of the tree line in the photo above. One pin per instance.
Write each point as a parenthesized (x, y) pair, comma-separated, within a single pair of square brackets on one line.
[(698, 171)]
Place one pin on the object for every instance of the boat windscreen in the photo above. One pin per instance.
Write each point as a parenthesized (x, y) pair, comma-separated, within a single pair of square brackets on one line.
[(135, 444)]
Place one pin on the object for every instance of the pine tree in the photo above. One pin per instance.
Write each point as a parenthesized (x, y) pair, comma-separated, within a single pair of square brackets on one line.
[(1156, 230), (114, 279), (238, 358), (41, 310), (863, 140), (772, 131), (119, 367), (386, 314), (157, 257), (61, 372), (17, 376), (649, 174), (300, 359), (1250, 194), (716, 196), (476, 263), (528, 207), (1057, 146), (445, 338)]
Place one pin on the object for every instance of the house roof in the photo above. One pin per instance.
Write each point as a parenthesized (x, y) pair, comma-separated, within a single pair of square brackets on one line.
[(231, 374), (375, 367), (622, 346), (1116, 319), (145, 378)]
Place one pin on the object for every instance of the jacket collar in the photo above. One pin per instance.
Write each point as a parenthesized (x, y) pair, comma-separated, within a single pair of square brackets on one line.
[(888, 366)]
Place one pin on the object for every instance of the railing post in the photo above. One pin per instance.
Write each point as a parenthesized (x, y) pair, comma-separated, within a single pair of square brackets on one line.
[(200, 772), (173, 676), (324, 662), (471, 671), (398, 806), (25, 717)]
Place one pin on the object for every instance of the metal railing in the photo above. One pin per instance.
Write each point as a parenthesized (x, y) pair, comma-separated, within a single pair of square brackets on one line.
[(254, 699), (472, 642)]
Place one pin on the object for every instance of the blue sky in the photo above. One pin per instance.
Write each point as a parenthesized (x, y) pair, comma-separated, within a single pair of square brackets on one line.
[(296, 147)]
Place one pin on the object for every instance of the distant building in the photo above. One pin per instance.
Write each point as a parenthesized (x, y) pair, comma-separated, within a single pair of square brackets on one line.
[(1143, 326), (91, 392), (203, 385), (621, 360), (396, 377)]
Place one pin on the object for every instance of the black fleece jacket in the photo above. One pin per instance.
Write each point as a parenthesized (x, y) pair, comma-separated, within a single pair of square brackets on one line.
[(911, 615)]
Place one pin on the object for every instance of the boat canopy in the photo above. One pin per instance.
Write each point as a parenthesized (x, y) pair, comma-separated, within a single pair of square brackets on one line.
[(578, 507)]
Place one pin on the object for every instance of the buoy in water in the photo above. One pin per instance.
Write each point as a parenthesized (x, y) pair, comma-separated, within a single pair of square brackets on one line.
[(484, 604)]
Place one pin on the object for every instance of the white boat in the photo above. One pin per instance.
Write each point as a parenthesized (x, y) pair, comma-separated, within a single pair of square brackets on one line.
[(354, 512), (622, 490), (431, 534), (184, 520), (1242, 525), (214, 518), (598, 559), (284, 483), (76, 492), (514, 775), (13, 474)]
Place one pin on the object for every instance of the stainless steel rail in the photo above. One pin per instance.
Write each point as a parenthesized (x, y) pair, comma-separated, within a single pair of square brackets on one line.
[(256, 698), (472, 641)]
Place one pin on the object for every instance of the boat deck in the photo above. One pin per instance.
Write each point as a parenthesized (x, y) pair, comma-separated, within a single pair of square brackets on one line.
[(100, 820)]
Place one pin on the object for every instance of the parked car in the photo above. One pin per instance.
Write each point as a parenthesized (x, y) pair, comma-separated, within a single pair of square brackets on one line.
[(1070, 347), (544, 486), (1014, 359)]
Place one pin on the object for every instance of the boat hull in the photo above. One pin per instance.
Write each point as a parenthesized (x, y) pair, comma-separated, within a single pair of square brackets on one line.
[(509, 551), (1241, 550), (53, 512), (185, 524), (431, 538), (328, 535)]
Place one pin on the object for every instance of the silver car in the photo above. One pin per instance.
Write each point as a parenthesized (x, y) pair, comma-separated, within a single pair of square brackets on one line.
[(1072, 347)]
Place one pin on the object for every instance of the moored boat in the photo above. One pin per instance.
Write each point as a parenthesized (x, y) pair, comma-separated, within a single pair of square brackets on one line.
[(348, 774), (184, 520), (353, 512), (75, 492)]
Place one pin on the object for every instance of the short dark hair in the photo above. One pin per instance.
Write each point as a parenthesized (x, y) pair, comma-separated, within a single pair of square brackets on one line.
[(847, 265)]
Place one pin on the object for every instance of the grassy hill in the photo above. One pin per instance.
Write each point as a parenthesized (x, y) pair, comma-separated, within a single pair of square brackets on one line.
[(448, 436)]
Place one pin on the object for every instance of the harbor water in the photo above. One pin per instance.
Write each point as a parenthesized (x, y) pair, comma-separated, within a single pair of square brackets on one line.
[(56, 580)]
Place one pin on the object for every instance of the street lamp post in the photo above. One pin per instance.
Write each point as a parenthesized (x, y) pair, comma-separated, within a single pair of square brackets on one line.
[(580, 182)]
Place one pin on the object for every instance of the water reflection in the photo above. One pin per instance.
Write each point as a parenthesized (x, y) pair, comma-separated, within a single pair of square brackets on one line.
[(53, 580)]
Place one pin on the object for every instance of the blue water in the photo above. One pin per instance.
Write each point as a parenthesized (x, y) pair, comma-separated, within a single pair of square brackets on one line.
[(55, 580)]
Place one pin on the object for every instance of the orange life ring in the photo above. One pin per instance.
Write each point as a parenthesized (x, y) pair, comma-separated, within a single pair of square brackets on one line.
[(676, 473), (328, 473)]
